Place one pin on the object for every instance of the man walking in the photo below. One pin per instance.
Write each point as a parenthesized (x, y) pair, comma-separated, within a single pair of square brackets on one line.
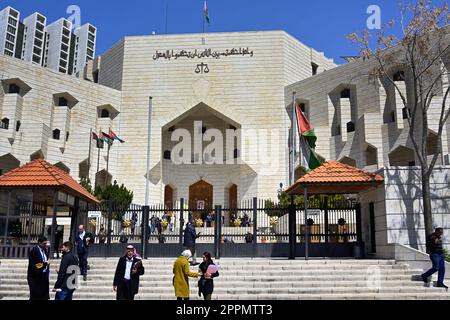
[(69, 263), (190, 237), (126, 279), (82, 241), (38, 271), (434, 243)]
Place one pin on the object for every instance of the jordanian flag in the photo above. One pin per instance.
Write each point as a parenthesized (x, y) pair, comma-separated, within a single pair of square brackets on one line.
[(106, 138), (308, 140), (114, 136), (205, 12)]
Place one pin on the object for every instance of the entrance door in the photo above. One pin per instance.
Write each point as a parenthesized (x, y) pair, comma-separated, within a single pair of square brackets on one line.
[(200, 198)]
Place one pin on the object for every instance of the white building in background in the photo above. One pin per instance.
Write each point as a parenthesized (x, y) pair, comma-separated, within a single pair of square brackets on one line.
[(57, 45), (84, 52), (34, 38), (9, 29)]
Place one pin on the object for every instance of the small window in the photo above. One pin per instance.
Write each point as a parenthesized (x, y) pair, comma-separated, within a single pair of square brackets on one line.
[(406, 113), (63, 102), (14, 88), (56, 134), (302, 107), (4, 124), (167, 155), (104, 113), (315, 68), (18, 124), (345, 93), (399, 76), (350, 127), (236, 153)]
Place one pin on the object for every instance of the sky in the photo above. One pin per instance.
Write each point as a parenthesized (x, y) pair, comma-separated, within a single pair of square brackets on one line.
[(320, 24)]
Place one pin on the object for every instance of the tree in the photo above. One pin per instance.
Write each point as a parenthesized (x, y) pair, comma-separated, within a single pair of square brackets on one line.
[(118, 196), (423, 52), (86, 183)]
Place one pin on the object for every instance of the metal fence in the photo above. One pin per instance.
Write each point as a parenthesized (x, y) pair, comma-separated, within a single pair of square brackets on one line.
[(247, 230)]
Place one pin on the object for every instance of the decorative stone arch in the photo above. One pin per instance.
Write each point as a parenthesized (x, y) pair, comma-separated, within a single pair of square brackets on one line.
[(64, 99), (343, 91), (15, 85), (103, 178), (347, 160), (37, 155), (371, 154), (7, 163), (83, 169), (107, 111), (402, 157), (62, 166)]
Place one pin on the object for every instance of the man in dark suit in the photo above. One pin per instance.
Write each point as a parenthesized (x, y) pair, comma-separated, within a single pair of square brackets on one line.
[(38, 271), (126, 278), (69, 263), (82, 241), (190, 237)]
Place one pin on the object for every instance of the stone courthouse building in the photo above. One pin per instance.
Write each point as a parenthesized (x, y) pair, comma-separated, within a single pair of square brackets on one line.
[(208, 86)]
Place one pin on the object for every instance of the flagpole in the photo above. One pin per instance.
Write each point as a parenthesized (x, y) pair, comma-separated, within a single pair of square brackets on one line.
[(292, 155), (107, 166), (98, 163), (90, 148), (149, 135)]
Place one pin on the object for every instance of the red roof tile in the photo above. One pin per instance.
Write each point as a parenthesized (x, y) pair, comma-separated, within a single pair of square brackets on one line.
[(40, 173), (335, 173)]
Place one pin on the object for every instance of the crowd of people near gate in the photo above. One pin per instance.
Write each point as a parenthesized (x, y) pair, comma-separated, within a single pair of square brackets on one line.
[(74, 263)]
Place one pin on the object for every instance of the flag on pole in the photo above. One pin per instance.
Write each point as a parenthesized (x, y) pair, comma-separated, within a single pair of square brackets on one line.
[(106, 138), (94, 136), (308, 140), (205, 12), (114, 136)]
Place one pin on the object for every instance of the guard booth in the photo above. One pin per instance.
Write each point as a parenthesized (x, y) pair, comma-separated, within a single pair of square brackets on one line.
[(35, 199), (334, 229)]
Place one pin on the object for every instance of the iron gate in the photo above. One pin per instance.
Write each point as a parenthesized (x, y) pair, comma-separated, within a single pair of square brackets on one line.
[(257, 228)]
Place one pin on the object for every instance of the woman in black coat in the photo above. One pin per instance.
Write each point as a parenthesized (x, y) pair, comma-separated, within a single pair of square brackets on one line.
[(206, 282)]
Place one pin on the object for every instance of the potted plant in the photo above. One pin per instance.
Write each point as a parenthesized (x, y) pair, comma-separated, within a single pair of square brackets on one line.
[(199, 223)]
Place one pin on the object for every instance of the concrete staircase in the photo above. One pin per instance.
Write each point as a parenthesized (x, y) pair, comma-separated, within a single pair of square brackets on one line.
[(248, 279)]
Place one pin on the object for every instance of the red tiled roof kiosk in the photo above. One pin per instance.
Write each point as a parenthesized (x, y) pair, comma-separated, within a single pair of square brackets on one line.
[(332, 177), (32, 193)]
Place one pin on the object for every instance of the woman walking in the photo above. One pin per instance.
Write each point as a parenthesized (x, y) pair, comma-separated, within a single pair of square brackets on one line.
[(208, 271), (181, 276)]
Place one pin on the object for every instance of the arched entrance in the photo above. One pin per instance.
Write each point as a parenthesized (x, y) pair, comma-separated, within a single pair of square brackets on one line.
[(200, 198), (168, 197)]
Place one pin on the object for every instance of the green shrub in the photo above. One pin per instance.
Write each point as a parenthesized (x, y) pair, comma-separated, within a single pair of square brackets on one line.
[(447, 255)]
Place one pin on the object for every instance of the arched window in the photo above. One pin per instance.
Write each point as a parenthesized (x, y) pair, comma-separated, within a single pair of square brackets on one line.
[(167, 155), (4, 124), (62, 102), (236, 153), (345, 93), (399, 76), (14, 88), (104, 113), (56, 134)]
